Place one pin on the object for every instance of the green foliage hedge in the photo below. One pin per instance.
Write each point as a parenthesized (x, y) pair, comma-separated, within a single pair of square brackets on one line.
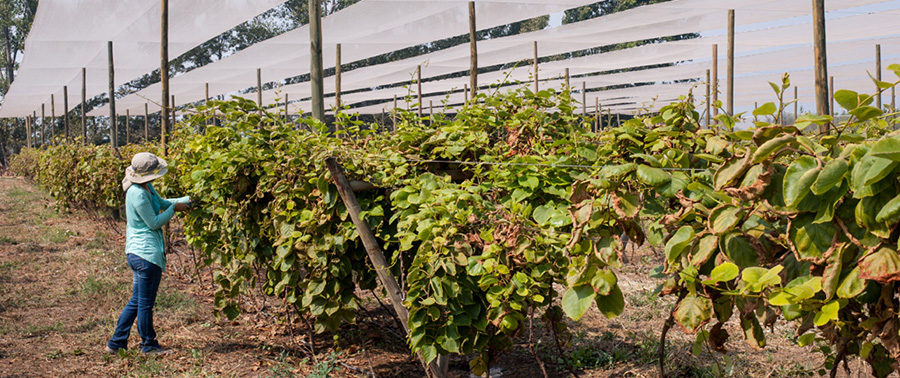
[(484, 216)]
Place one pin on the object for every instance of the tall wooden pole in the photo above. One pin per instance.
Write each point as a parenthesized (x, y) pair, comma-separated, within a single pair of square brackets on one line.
[(583, 99), (419, 87), (568, 87), (127, 126), (597, 114), (535, 68), (113, 127), (877, 74), (66, 110), (730, 64), (146, 123), (28, 132), (43, 124), (796, 104), (259, 103), (831, 95), (715, 78), (315, 59), (821, 63), (473, 51), (708, 117), (465, 93), (394, 115), (287, 115), (430, 108), (52, 117), (337, 78), (206, 98), (33, 125), (83, 105), (164, 74), (174, 112)]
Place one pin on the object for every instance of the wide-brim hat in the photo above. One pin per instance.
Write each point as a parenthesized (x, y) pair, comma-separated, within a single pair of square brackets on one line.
[(145, 167)]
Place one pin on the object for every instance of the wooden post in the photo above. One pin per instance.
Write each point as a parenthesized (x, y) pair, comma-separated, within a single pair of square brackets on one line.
[(821, 62), (473, 51), (146, 123), (66, 110), (337, 78), (33, 122), (831, 95), (430, 108), (535, 68), (708, 117), (174, 113), (376, 256), (583, 99), (287, 114), (796, 105), (43, 123), (597, 115), (127, 126), (394, 115), (419, 87), (877, 75), (83, 105), (206, 98), (465, 94), (568, 87), (316, 73), (52, 117), (730, 64), (259, 103), (28, 132), (164, 75), (715, 78), (113, 127)]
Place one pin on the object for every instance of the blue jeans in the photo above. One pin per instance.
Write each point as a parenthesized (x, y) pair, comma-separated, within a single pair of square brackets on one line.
[(140, 307)]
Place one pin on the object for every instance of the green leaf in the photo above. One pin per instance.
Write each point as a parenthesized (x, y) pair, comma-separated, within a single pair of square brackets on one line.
[(429, 353), (652, 176), (887, 148), (890, 213), (880, 169), (724, 272), (604, 281), (771, 146), (808, 119), (693, 312), (865, 113), (847, 99), (803, 288), (798, 179), (542, 214), (613, 304), (851, 286), (724, 218), (676, 245), (831, 175), (738, 249), (706, 247), (866, 213), (806, 339), (810, 240), (758, 278), (766, 109), (882, 266), (861, 171), (576, 301), (827, 313), (730, 171), (628, 204)]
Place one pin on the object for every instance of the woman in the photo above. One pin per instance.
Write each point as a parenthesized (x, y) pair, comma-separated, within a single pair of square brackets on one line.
[(146, 213)]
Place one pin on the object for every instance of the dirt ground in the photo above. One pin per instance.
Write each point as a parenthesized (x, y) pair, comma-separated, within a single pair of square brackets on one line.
[(63, 281)]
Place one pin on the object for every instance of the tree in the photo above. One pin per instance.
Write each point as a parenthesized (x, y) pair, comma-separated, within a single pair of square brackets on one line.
[(16, 17)]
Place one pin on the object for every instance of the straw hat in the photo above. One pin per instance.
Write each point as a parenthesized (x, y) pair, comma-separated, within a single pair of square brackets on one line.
[(145, 167)]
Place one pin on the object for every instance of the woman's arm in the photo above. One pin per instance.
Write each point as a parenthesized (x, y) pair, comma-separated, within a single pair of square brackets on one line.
[(165, 203), (145, 210)]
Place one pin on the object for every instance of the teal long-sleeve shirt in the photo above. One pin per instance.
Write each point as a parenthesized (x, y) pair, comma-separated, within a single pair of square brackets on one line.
[(146, 213)]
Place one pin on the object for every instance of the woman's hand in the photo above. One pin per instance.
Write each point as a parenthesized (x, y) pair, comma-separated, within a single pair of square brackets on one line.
[(180, 207)]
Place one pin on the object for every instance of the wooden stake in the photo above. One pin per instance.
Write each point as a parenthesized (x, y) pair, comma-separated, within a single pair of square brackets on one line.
[(316, 72), (66, 110), (287, 114), (28, 132), (877, 76), (730, 64), (465, 93), (473, 51), (715, 78), (174, 114), (583, 99), (597, 115), (43, 123), (707, 99), (164, 74), (535, 68), (52, 117), (419, 88), (83, 105), (568, 87), (337, 78), (796, 105), (373, 250), (821, 62), (127, 126), (394, 115), (831, 95), (206, 98), (430, 108), (113, 126), (146, 123), (259, 103)]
